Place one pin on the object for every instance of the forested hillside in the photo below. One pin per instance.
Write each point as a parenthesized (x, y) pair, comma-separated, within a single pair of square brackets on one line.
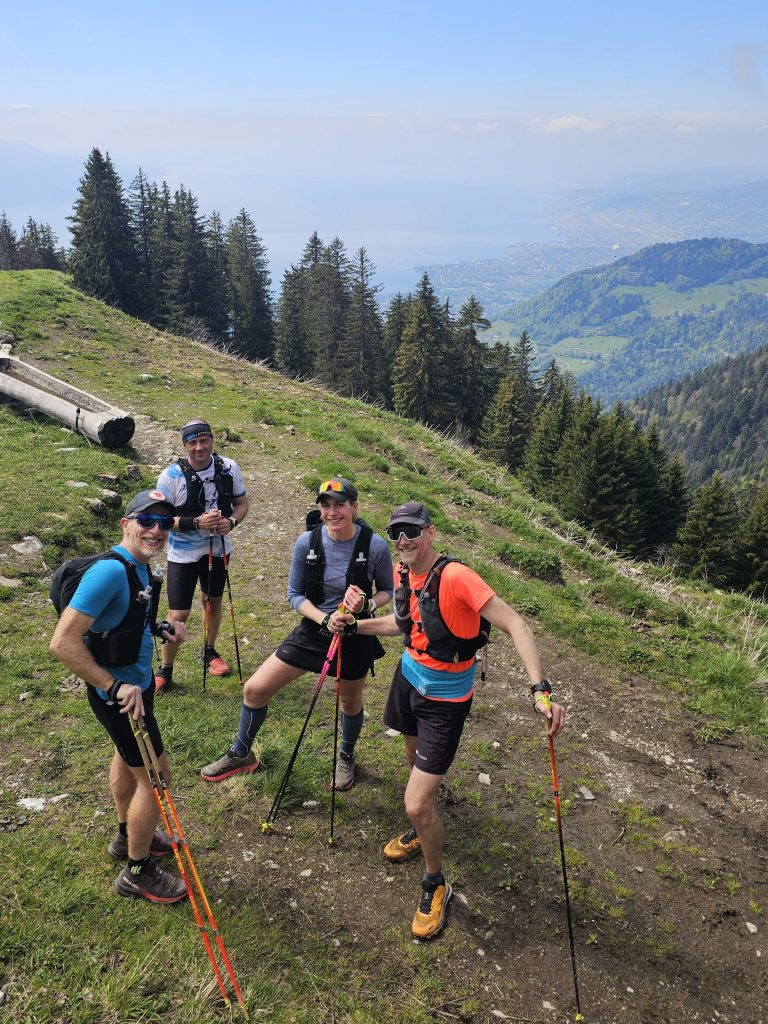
[(715, 418), (653, 316)]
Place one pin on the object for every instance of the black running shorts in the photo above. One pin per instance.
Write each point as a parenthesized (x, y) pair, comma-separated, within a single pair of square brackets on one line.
[(437, 724), (306, 647), (183, 578), (119, 726)]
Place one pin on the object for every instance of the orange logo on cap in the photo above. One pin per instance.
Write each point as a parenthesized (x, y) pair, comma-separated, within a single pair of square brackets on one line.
[(158, 495)]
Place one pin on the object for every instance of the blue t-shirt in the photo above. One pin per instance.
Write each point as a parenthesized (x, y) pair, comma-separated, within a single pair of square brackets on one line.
[(338, 554), (103, 594)]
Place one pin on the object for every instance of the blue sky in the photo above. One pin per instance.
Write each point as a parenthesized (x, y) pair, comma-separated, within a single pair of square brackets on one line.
[(425, 131)]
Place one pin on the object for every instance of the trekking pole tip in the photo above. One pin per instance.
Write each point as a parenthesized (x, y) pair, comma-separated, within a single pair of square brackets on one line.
[(267, 826), (579, 1016), (331, 841)]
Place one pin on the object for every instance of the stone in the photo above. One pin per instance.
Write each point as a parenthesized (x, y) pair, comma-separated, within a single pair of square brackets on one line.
[(97, 507), (392, 732), (10, 584), (28, 546), (76, 483), (306, 873), (111, 498), (586, 793), (751, 928), (484, 779)]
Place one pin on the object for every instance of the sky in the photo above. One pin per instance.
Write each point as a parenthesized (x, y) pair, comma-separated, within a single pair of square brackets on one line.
[(425, 131)]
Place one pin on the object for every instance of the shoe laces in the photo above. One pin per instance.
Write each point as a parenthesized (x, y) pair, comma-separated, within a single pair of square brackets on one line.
[(427, 895), (409, 836)]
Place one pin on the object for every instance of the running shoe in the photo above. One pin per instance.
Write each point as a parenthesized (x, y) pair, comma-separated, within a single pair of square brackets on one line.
[(403, 847), (430, 914), (230, 765), (344, 776), (216, 664), (151, 883)]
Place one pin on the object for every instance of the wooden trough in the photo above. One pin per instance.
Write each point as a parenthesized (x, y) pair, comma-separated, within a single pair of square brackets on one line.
[(85, 414)]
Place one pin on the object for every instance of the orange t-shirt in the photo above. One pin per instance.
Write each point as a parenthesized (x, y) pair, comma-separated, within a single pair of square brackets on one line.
[(462, 594)]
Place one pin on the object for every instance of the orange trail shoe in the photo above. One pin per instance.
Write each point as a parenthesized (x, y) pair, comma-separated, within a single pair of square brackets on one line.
[(216, 664), (403, 847), (430, 914)]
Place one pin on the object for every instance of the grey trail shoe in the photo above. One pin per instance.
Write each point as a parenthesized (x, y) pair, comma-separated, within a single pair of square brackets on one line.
[(230, 765), (161, 846), (152, 883), (344, 776)]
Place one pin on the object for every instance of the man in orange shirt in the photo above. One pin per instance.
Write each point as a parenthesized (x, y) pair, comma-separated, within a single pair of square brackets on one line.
[(444, 611)]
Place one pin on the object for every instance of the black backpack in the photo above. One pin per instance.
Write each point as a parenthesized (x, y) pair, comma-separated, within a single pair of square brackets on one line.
[(357, 570), (120, 646)]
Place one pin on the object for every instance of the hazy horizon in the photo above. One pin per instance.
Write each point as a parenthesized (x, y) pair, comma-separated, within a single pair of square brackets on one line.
[(429, 133)]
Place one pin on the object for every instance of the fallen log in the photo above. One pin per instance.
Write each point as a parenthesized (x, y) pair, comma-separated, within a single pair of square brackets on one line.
[(85, 414)]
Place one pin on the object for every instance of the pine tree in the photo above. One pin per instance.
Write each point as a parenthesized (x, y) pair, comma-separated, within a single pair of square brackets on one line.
[(504, 431), (9, 250), (706, 544), (142, 212), (158, 301), (293, 355), (394, 326), (30, 246), (329, 294), (186, 282), (253, 329), (753, 548), (219, 292), (103, 260), (470, 367), (574, 463), (423, 385), (540, 463), (359, 369)]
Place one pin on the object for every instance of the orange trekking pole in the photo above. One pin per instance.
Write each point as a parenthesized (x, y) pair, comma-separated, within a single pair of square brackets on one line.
[(546, 698), (182, 853)]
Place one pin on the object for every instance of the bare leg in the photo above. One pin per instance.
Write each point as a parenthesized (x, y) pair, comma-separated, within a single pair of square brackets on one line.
[(268, 679), (141, 812), (421, 808)]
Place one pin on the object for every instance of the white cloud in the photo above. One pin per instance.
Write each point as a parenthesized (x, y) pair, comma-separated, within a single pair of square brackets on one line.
[(573, 123)]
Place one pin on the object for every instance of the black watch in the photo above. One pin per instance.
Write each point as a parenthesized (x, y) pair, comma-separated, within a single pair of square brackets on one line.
[(542, 687)]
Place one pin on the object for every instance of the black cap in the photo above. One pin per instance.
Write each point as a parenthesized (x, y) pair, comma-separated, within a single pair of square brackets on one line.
[(145, 500), (337, 488), (190, 430), (410, 512)]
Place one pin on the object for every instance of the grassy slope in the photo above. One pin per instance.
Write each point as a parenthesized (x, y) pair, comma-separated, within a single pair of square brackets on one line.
[(573, 590)]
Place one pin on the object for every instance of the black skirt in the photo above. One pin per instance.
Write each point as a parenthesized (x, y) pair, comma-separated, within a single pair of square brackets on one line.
[(307, 647)]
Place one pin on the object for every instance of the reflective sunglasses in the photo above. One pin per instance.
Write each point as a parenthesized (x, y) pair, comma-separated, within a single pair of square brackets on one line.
[(333, 485), (150, 519), (411, 531)]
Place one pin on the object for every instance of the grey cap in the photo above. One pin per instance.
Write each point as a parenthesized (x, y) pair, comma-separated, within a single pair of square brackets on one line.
[(410, 512), (145, 500)]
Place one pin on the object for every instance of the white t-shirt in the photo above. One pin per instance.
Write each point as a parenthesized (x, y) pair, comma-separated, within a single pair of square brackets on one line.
[(190, 545)]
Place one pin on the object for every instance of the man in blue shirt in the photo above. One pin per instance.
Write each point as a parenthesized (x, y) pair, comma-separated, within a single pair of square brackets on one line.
[(102, 605)]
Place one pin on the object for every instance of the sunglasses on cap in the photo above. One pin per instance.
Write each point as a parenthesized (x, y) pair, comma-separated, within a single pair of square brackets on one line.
[(149, 519), (334, 485), (411, 531)]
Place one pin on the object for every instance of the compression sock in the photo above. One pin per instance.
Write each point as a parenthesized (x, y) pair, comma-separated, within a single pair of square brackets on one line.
[(123, 828), (251, 720), (431, 879), (350, 731)]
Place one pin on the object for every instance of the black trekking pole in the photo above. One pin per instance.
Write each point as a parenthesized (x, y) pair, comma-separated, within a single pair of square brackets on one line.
[(546, 698), (268, 824), (231, 609), (331, 839), (207, 609)]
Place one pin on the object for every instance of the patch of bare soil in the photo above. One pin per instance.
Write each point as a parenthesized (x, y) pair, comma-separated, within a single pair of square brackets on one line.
[(667, 864)]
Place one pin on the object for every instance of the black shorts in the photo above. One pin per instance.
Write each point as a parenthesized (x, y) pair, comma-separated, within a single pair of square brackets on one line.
[(183, 578), (306, 647), (437, 724), (119, 726)]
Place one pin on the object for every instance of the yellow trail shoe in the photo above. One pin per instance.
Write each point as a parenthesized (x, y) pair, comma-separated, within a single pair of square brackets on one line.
[(430, 914), (403, 847)]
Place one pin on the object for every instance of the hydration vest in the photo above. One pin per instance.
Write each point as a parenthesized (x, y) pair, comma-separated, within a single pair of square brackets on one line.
[(222, 480), (120, 646), (442, 644), (357, 570)]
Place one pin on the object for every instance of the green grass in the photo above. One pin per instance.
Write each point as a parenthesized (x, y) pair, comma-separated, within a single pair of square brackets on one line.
[(129, 962), (666, 301)]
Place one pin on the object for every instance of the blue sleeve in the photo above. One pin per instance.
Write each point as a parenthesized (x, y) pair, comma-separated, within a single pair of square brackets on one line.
[(102, 593), (383, 575), (297, 578)]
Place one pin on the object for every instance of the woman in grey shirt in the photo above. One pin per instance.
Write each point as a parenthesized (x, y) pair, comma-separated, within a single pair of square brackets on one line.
[(340, 561)]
